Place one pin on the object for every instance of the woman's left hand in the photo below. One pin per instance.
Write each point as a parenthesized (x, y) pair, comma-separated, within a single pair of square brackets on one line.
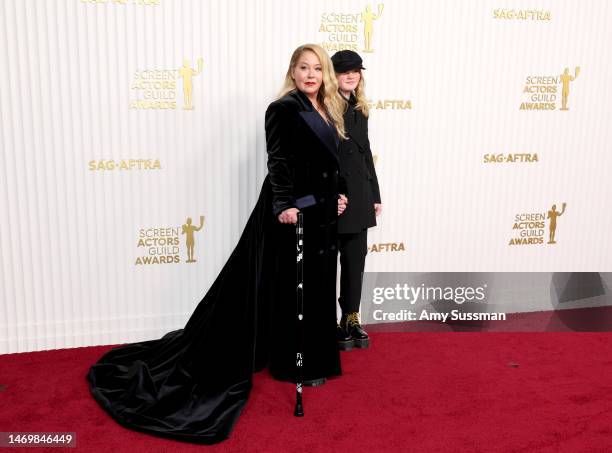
[(378, 209), (342, 202)]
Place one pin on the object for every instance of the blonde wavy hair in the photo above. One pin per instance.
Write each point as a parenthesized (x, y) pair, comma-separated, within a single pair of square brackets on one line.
[(360, 96), (328, 96)]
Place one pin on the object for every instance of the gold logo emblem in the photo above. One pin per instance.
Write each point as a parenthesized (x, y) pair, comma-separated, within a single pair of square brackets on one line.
[(161, 245), (188, 74), (529, 228), (566, 78), (157, 88), (552, 226), (368, 17), (541, 91), (342, 29), (189, 230)]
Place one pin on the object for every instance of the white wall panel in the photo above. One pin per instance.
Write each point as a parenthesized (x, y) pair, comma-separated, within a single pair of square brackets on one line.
[(69, 234)]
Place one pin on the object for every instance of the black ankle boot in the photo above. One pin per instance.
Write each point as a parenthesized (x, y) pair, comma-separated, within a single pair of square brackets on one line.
[(353, 328), (345, 341)]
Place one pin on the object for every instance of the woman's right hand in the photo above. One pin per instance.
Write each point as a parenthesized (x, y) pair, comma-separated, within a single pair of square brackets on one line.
[(288, 216), (342, 202)]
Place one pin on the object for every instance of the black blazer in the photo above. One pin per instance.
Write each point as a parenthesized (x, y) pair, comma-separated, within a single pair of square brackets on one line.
[(302, 158), (357, 169)]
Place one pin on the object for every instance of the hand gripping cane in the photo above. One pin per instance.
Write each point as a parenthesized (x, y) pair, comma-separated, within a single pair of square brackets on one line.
[(299, 293)]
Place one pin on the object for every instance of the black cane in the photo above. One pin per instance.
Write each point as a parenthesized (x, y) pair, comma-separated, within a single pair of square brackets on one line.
[(299, 293)]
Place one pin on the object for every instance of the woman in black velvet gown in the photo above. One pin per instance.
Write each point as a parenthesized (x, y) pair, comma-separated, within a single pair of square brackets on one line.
[(193, 383)]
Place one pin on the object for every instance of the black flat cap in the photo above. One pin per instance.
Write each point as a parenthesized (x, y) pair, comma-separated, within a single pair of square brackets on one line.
[(346, 60)]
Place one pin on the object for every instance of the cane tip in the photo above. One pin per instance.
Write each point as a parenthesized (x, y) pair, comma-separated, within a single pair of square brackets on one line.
[(299, 411)]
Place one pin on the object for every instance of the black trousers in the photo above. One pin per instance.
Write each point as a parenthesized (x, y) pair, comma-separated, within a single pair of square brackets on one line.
[(353, 248)]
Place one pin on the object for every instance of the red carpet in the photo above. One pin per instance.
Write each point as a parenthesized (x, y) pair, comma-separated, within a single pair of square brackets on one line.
[(442, 392)]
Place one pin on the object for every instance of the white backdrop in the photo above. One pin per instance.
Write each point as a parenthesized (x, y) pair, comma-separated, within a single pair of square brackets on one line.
[(98, 149)]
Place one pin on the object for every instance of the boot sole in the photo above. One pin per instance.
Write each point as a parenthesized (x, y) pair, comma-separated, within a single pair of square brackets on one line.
[(362, 344), (346, 345)]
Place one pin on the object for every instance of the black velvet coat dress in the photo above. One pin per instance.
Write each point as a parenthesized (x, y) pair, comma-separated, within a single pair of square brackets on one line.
[(193, 383)]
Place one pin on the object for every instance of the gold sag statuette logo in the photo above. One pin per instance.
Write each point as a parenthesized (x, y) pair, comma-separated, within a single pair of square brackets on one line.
[(510, 158), (387, 247), (541, 91), (156, 88), (125, 164), (566, 78), (530, 227), (552, 226), (189, 230), (342, 29), (161, 245), (187, 75), (521, 14), (124, 2)]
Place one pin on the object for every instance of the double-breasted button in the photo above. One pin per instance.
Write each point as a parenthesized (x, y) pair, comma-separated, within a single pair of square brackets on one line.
[(324, 174), (321, 252), (348, 173), (322, 199)]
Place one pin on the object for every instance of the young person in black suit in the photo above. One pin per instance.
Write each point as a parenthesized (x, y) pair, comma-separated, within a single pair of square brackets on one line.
[(357, 169)]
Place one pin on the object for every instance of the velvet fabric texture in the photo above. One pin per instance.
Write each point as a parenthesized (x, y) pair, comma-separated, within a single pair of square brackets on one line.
[(193, 383)]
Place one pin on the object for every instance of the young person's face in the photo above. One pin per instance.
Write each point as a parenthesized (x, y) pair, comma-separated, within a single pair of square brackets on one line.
[(349, 80), (308, 73)]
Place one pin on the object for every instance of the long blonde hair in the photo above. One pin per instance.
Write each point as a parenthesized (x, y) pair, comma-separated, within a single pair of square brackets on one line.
[(360, 96), (328, 95)]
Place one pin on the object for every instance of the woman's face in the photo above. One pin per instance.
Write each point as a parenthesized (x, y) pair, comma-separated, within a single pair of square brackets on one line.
[(349, 80), (308, 73)]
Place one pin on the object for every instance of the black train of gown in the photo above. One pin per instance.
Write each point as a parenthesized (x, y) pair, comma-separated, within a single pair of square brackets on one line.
[(193, 383)]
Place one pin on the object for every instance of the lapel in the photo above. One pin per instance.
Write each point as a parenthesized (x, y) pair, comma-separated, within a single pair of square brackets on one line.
[(317, 125), (352, 123)]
